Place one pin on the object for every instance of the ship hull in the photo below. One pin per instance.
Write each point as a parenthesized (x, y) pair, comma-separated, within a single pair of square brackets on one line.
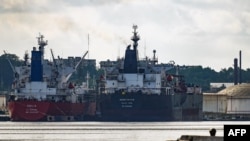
[(49, 111), (141, 107), (28, 110)]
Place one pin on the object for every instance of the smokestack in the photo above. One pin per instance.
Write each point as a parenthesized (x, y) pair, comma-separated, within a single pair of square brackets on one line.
[(235, 71), (240, 69)]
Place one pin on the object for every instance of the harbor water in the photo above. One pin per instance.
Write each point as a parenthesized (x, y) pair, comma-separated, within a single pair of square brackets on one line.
[(108, 131)]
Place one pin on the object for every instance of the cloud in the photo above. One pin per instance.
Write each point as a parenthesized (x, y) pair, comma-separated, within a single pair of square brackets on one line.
[(185, 31), (25, 6)]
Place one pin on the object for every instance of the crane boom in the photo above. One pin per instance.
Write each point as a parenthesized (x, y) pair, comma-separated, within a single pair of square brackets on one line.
[(81, 60), (53, 57), (12, 67), (75, 67)]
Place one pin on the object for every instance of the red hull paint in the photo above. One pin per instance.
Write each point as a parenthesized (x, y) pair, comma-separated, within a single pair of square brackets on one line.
[(66, 109), (28, 110), (40, 110)]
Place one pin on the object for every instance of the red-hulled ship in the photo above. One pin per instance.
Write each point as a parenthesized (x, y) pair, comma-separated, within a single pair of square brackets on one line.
[(42, 92)]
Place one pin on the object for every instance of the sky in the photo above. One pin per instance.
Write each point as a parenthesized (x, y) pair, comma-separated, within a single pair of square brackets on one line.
[(210, 33)]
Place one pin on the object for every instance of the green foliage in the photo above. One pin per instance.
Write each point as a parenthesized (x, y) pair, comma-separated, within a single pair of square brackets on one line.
[(6, 72), (204, 76), (80, 75), (192, 74)]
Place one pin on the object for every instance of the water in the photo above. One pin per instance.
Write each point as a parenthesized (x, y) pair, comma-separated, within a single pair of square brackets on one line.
[(108, 131)]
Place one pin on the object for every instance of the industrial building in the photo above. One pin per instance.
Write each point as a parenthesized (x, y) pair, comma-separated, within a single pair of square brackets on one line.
[(231, 103)]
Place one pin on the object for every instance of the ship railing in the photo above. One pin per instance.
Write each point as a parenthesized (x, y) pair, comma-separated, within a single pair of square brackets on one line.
[(29, 97), (150, 79), (111, 77), (194, 90), (35, 94)]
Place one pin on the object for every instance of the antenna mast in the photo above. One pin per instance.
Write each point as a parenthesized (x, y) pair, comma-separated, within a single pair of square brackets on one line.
[(240, 67)]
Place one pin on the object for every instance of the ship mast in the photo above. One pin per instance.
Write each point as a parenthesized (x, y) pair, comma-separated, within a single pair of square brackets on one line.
[(135, 38), (131, 55), (87, 78), (42, 44), (154, 57), (26, 58)]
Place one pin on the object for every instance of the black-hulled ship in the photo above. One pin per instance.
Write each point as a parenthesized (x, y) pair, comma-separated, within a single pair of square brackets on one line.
[(143, 90)]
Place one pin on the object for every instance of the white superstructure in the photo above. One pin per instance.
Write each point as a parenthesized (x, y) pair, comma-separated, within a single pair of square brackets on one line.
[(42, 79)]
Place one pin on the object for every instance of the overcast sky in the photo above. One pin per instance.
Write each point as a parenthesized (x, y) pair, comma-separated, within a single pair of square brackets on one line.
[(190, 32)]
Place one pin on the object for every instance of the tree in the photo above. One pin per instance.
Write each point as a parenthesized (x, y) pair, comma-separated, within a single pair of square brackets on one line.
[(6, 72)]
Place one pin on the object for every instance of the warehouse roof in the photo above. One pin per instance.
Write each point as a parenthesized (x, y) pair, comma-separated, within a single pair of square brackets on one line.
[(237, 90)]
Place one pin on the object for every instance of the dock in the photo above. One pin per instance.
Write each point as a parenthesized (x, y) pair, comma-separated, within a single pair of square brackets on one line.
[(4, 118), (198, 138), (212, 137)]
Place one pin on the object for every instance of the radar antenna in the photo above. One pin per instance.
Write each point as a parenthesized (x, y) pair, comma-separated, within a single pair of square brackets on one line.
[(135, 38), (26, 58), (41, 43)]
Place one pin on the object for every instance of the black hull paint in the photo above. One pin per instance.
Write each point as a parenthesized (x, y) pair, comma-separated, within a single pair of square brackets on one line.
[(142, 107)]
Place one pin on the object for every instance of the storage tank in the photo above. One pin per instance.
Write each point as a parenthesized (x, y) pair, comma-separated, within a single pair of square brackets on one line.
[(238, 98)]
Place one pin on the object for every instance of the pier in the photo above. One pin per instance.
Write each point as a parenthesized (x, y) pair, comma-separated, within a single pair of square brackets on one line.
[(4, 118), (212, 137)]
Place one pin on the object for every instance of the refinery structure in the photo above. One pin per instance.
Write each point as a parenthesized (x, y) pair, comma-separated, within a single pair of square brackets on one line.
[(230, 103)]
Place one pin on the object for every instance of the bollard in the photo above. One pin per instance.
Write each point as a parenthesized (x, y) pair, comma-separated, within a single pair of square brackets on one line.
[(212, 132)]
